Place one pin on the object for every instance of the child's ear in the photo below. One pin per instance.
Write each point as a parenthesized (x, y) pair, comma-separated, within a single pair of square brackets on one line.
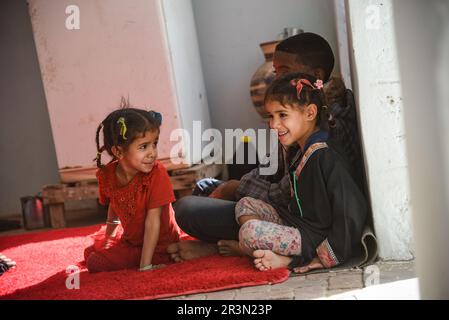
[(117, 152), (311, 112)]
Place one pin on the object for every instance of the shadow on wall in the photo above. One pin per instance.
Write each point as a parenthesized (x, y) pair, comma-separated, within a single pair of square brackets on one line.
[(31, 160)]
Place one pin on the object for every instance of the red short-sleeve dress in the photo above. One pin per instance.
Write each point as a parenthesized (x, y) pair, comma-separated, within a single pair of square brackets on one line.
[(131, 204)]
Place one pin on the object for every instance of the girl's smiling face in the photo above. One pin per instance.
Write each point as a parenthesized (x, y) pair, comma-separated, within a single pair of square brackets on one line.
[(141, 154), (293, 124)]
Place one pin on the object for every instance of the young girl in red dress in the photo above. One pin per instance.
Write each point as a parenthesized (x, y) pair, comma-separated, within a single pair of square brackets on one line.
[(138, 190)]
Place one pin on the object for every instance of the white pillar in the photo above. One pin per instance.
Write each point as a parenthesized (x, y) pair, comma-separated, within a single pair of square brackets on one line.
[(376, 83), (422, 33), (187, 70), (342, 40)]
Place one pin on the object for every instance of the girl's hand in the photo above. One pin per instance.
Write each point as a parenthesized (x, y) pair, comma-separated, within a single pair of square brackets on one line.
[(152, 267), (314, 264)]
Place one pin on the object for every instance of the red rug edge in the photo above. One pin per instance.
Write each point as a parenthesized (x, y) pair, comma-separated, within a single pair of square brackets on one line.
[(197, 291), (227, 287)]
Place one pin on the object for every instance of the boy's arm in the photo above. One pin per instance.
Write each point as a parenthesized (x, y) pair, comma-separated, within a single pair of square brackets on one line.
[(151, 236), (226, 190), (256, 186)]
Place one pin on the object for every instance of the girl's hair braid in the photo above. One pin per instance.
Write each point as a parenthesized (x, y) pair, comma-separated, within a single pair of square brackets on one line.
[(97, 140)]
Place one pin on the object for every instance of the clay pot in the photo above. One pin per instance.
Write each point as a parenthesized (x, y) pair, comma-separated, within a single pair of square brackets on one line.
[(263, 76)]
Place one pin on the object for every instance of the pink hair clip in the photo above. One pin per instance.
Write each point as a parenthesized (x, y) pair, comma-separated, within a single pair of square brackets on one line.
[(299, 85)]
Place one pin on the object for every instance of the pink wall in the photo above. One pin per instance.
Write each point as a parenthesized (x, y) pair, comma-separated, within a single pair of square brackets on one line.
[(120, 49)]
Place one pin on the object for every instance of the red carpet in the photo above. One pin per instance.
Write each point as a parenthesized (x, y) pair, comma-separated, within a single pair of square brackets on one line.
[(42, 259)]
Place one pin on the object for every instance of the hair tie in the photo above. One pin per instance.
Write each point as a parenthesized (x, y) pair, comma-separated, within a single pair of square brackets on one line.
[(157, 116), (299, 84), (121, 122), (98, 157)]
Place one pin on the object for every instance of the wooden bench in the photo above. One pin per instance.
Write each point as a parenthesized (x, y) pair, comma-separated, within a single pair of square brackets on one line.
[(81, 184)]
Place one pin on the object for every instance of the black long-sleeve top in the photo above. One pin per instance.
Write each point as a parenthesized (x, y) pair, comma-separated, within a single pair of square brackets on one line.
[(334, 210)]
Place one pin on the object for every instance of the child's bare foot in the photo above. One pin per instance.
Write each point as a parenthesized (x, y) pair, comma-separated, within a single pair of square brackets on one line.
[(267, 260), (190, 249), (229, 248), (173, 251)]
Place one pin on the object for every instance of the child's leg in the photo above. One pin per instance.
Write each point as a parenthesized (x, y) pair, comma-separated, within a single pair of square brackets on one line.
[(263, 229), (117, 257), (88, 251), (249, 208), (264, 235)]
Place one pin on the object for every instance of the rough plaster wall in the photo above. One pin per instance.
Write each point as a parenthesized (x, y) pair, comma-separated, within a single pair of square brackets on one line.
[(119, 50), (377, 87)]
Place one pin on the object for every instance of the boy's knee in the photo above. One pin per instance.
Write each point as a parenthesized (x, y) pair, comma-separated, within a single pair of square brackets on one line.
[(184, 208)]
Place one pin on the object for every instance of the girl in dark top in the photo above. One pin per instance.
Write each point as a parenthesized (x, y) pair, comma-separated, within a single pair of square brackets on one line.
[(323, 223)]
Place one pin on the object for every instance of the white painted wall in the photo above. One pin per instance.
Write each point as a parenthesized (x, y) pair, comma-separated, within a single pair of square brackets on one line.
[(120, 49), (424, 66), (229, 34), (377, 87), (186, 68)]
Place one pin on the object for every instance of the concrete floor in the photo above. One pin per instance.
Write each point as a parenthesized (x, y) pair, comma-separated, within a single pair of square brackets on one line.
[(383, 280)]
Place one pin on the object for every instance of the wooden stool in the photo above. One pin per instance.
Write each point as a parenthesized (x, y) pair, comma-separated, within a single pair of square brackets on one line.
[(81, 184), (56, 195)]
